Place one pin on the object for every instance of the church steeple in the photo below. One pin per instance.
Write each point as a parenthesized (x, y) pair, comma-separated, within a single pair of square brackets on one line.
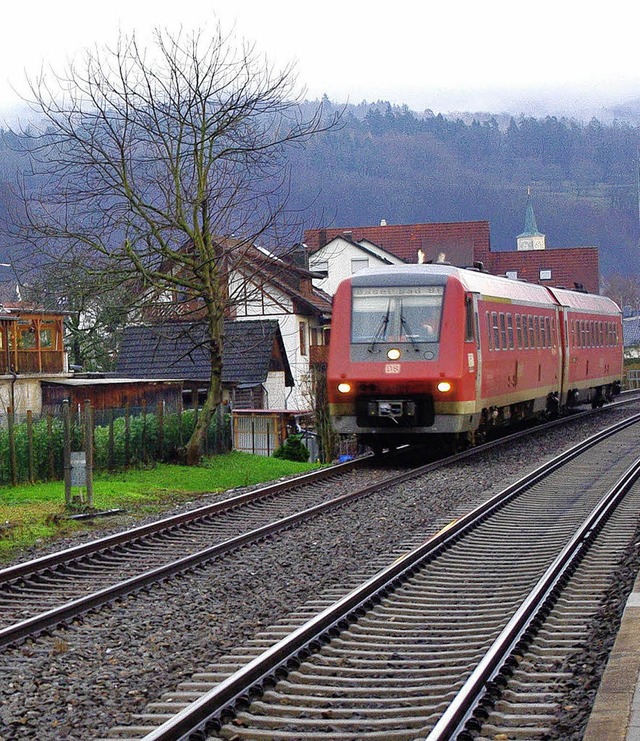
[(531, 238)]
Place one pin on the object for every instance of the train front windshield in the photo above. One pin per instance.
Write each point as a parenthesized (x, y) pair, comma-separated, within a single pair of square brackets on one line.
[(396, 314)]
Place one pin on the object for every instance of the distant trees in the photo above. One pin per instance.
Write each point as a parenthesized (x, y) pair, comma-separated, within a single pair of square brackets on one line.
[(160, 167), (389, 162)]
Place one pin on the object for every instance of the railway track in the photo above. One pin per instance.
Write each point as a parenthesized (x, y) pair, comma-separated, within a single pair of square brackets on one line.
[(394, 659), (39, 594)]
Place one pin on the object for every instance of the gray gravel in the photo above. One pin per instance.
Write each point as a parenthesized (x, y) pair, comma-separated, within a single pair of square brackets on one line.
[(96, 674)]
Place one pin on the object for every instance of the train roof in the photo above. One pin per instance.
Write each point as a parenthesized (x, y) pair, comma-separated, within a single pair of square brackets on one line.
[(487, 285), (585, 301), (472, 280)]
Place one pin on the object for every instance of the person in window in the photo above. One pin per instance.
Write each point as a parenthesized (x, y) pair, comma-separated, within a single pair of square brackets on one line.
[(429, 327)]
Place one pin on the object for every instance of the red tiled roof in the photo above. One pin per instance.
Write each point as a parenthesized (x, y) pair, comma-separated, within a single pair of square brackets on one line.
[(466, 242), (461, 241), (567, 265)]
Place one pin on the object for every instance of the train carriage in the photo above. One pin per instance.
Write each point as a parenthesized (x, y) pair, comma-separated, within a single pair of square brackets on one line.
[(420, 350)]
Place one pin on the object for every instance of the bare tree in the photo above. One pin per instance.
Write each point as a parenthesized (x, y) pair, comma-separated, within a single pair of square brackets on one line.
[(624, 290), (166, 166)]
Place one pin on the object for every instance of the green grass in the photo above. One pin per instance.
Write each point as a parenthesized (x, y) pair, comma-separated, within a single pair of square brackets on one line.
[(32, 514)]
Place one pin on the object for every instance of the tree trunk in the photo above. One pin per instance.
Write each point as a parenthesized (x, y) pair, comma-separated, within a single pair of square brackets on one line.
[(195, 446)]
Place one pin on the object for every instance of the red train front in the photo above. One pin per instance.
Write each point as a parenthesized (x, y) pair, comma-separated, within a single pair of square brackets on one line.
[(432, 349)]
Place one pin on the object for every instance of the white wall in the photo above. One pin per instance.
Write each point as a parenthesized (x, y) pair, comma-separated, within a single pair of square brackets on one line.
[(338, 255), (270, 303), (27, 393), (276, 390)]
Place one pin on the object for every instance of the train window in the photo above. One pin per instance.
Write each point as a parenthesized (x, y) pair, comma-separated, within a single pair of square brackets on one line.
[(496, 330), (532, 336), (489, 331), (573, 333), (551, 330), (536, 330), (510, 330), (580, 333), (468, 330), (519, 331), (503, 332), (543, 333), (396, 313)]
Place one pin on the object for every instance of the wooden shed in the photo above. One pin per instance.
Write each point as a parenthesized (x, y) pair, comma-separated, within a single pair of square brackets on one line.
[(111, 393)]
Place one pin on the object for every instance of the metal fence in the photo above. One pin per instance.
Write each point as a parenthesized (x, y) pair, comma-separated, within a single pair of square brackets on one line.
[(33, 450), (632, 379)]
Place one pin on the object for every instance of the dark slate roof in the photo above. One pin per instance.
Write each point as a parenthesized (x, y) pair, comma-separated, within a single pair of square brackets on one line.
[(177, 350)]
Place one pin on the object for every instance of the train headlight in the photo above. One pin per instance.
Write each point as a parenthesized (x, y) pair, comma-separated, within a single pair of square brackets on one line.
[(344, 388), (393, 354), (444, 387)]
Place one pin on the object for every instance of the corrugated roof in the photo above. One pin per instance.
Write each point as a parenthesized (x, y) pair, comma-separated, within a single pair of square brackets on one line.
[(631, 331)]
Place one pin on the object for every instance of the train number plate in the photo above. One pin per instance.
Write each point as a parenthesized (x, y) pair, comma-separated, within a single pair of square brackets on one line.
[(392, 368)]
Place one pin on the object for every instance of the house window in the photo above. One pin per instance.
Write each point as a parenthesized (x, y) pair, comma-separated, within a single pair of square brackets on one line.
[(513, 274), (46, 338), (320, 267), (545, 275), (316, 336), (27, 338), (358, 264), (303, 338)]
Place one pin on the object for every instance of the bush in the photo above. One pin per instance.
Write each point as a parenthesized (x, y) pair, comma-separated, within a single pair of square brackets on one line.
[(293, 449)]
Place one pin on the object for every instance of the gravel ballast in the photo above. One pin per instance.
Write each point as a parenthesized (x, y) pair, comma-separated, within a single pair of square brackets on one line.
[(77, 683)]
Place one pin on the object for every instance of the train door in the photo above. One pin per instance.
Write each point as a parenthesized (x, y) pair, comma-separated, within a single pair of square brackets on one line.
[(565, 351), (473, 345)]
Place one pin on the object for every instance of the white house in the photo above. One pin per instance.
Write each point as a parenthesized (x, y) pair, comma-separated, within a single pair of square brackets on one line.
[(342, 257), (284, 292)]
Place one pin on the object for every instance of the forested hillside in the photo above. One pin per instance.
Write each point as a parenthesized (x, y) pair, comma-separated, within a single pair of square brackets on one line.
[(390, 163), (387, 162)]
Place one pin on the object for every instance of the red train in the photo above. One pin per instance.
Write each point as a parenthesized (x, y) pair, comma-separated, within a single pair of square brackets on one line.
[(422, 350)]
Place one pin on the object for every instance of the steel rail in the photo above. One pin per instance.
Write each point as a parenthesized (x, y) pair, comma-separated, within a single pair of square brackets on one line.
[(208, 712), (43, 564), (74, 608), (458, 717)]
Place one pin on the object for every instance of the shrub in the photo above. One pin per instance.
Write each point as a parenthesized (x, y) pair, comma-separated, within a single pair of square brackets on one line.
[(293, 449)]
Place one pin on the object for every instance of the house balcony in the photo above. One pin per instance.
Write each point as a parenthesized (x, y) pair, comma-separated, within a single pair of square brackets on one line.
[(33, 362)]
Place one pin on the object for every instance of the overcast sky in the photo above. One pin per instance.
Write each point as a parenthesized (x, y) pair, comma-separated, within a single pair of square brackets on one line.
[(468, 55)]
